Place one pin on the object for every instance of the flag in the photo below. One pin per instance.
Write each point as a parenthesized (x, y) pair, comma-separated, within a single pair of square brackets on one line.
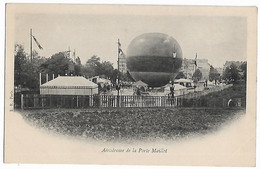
[(38, 44), (120, 51), (196, 60)]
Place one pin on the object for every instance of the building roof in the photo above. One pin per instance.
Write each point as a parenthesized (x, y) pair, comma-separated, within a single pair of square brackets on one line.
[(183, 80), (176, 87), (140, 83), (102, 80), (72, 81)]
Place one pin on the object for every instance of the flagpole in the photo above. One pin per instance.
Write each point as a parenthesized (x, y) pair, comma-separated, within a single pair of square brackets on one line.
[(195, 63), (118, 60), (118, 75), (31, 43), (74, 55)]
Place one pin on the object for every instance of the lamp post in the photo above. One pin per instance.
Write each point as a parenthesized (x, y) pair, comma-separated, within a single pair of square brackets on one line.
[(172, 88)]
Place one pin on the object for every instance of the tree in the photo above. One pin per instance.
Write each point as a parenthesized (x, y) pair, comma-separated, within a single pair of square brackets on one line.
[(77, 69), (78, 61), (106, 69), (94, 61), (88, 70), (243, 67), (20, 66), (114, 76), (94, 67), (197, 75), (231, 74), (26, 71), (60, 64), (213, 74)]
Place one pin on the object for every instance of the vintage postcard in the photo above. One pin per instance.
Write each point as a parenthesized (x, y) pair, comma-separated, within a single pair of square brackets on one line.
[(130, 85)]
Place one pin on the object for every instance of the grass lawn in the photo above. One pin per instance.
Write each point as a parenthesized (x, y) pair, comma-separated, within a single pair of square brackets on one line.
[(146, 124), (124, 124)]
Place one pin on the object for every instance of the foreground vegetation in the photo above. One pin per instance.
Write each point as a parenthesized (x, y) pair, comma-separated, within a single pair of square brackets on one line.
[(132, 124)]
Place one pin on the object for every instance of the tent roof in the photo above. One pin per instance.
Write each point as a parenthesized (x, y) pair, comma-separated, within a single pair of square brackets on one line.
[(176, 87), (70, 81), (140, 83), (179, 87), (103, 80), (183, 80)]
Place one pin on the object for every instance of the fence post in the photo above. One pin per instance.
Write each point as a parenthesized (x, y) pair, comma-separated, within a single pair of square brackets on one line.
[(77, 101), (90, 100), (42, 100), (22, 103), (50, 101)]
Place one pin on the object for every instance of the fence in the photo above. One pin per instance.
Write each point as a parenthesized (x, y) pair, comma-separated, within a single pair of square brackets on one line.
[(55, 101), (50, 101), (193, 99)]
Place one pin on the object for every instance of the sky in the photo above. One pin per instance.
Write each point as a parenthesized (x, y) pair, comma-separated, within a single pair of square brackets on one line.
[(216, 38)]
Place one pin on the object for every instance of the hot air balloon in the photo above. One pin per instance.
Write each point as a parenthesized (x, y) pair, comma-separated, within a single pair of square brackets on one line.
[(154, 58)]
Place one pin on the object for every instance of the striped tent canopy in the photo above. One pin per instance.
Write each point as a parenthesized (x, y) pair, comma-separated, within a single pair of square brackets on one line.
[(69, 85)]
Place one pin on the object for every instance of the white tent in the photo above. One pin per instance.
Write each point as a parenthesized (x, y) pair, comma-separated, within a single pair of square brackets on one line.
[(69, 85)]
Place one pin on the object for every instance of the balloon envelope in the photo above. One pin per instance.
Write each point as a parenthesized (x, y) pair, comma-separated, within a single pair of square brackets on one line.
[(153, 58)]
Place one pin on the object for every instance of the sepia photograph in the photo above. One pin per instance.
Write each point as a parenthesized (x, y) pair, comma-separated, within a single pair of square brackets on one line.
[(130, 85)]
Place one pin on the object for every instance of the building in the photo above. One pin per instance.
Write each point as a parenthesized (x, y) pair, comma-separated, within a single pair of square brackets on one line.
[(122, 63), (69, 85), (204, 67), (188, 68)]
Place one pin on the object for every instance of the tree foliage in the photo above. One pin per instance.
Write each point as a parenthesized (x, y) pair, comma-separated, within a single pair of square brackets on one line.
[(197, 75), (243, 67), (26, 71), (60, 64), (231, 74), (94, 67), (78, 61)]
